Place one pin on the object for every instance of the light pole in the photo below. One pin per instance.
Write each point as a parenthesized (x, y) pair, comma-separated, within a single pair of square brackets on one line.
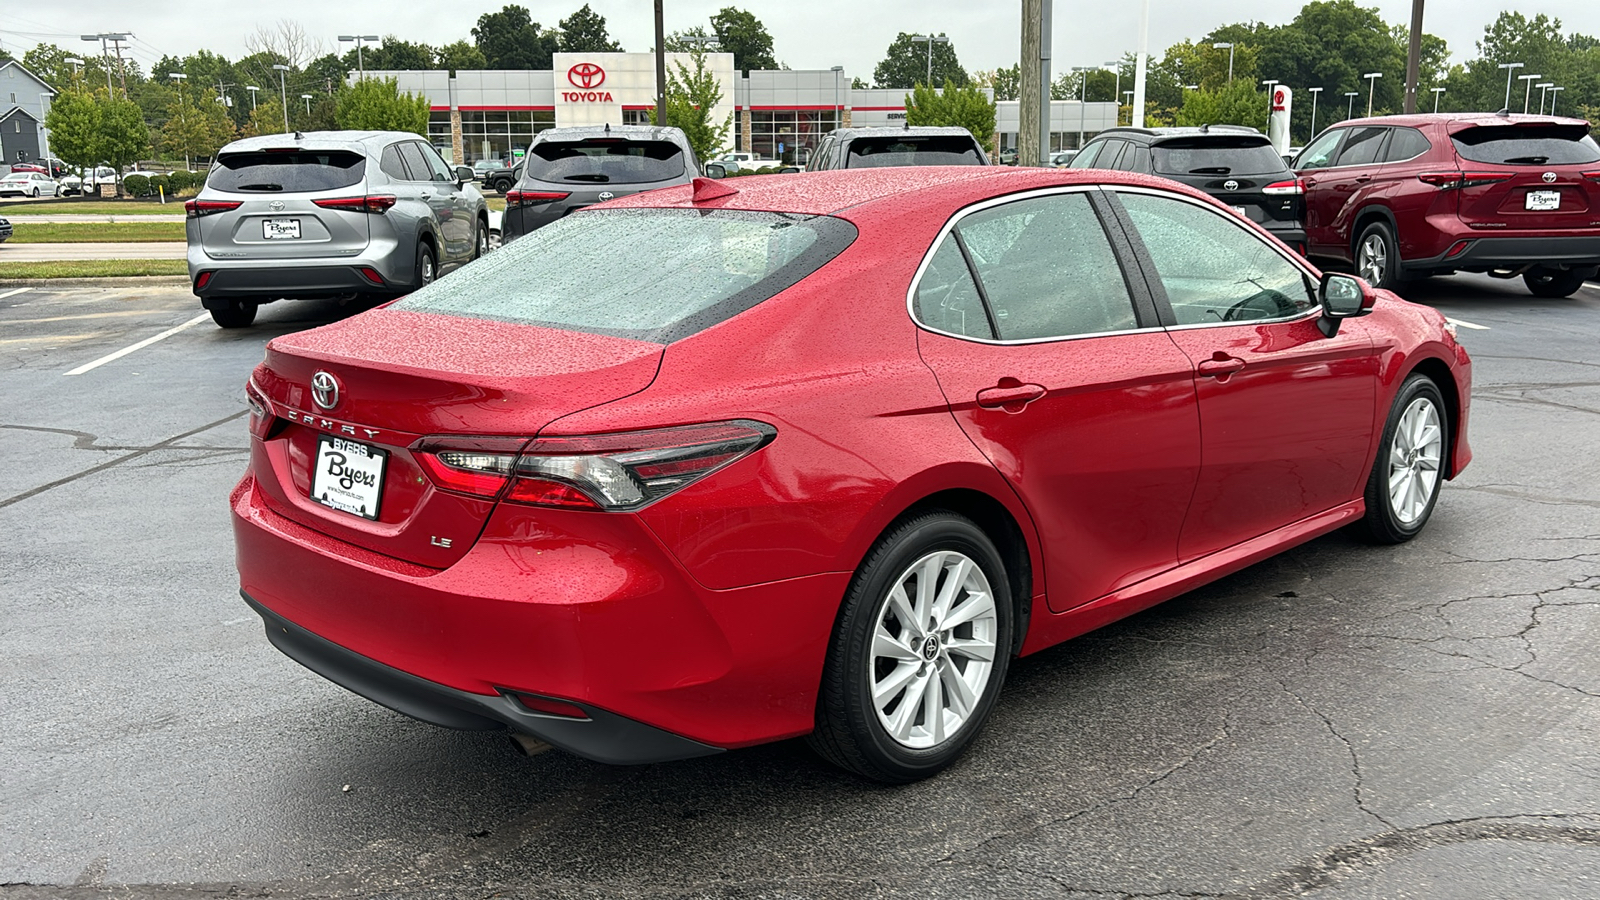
[(930, 40), (307, 99), (44, 133), (838, 116), (104, 54), (1314, 92), (283, 94), (1527, 89), (1129, 95), (1350, 108), (1553, 92), (77, 66), (252, 89), (1544, 91), (1117, 67), (359, 39), (1436, 92), (1510, 69), (1268, 83), (1083, 102), (183, 118), (1372, 85), (1229, 47)]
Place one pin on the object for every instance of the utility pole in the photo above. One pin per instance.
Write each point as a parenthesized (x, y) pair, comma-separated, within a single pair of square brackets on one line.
[(1046, 13), (122, 73), (179, 77), (1031, 89), (1414, 58), (661, 66)]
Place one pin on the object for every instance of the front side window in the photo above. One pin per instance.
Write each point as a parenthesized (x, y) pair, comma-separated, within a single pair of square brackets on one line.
[(1213, 269), (1320, 154), (440, 171), (1047, 269)]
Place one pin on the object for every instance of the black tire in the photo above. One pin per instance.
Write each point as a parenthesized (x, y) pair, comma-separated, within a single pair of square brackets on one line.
[(1383, 522), (848, 731), (237, 314), (480, 239), (1554, 283), (427, 265), (1382, 270)]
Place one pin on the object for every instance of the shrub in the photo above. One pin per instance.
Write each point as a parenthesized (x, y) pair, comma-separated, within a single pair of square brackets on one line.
[(179, 180), (160, 184), (137, 185)]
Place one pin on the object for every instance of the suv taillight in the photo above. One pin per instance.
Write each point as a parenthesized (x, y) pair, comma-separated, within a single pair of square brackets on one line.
[(371, 203), (612, 472), (194, 209), (1292, 186), (1452, 180), (519, 199)]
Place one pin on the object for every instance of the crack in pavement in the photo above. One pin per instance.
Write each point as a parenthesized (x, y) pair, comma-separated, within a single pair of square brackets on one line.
[(1355, 758), (83, 440), (168, 444), (1504, 490)]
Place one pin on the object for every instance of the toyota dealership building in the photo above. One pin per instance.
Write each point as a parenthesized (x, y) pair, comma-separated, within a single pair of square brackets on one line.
[(494, 114)]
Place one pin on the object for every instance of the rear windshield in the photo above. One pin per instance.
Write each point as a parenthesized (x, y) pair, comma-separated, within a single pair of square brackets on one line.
[(1217, 156), (649, 274), (1527, 145), (287, 172), (606, 161), (955, 150)]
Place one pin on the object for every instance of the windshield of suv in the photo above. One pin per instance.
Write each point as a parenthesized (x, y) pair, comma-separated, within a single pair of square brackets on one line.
[(910, 150), (287, 171), (1218, 155), (605, 161), (1527, 145), (648, 274)]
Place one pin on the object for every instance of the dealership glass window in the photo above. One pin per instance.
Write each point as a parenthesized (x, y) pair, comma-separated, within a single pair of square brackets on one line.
[(498, 134), (798, 130), (636, 116)]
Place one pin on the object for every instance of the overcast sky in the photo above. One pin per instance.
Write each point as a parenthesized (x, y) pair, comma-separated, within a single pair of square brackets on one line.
[(807, 34)]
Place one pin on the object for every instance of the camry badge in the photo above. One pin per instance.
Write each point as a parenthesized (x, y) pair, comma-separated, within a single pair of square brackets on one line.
[(606, 195), (1549, 178), (275, 206), (1230, 185), (325, 390)]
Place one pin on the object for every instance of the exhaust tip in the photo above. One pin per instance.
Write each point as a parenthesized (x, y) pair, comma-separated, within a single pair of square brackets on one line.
[(528, 745)]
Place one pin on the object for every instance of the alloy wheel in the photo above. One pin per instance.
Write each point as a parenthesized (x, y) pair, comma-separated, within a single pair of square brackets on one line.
[(933, 649), (1373, 260), (1414, 456), (427, 269)]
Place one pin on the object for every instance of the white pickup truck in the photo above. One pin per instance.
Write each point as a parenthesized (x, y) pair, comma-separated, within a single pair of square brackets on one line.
[(740, 159)]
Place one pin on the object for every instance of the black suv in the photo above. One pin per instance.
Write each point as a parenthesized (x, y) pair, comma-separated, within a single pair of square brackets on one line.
[(1233, 163), (567, 169), (924, 145)]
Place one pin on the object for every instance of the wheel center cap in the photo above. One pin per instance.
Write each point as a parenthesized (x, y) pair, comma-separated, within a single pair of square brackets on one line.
[(930, 647)]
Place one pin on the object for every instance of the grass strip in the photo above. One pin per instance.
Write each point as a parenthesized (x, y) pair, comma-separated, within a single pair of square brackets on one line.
[(93, 268), (498, 204), (91, 208), (95, 232)]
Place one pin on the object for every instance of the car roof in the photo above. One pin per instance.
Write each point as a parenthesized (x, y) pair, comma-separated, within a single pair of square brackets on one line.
[(320, 140), (1156, 135), (631, 132), (1466, 120), (850, 134)]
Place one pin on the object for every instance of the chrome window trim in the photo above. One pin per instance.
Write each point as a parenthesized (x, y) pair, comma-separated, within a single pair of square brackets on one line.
[(1236, 222), (980, 206)]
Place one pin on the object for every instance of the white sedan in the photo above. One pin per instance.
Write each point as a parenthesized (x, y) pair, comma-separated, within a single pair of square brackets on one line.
[(29, 184)]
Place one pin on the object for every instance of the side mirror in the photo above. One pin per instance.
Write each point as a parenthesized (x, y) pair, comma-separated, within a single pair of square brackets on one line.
[(789, 170), (1343, 297), (716, 170), (464, 174)]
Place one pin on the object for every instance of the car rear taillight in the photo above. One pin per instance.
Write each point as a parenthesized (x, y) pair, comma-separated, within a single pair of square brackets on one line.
[(519, 199), (627, 470), (194, 209), (261, 417), (1292, 186), (1451, 180), (479, 466), (1592, 176), (371, 203)]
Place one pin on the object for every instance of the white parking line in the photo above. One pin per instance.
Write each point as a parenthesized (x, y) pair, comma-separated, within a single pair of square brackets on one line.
[(1460, 324), (14, 293), (139, 346)]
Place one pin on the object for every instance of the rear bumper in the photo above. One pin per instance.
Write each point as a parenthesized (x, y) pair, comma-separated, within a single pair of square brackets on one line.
[(266, 283), (1483, 253), (1291, 233)]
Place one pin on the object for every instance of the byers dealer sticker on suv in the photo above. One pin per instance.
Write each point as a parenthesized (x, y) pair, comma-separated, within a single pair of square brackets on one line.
[(349, 476)]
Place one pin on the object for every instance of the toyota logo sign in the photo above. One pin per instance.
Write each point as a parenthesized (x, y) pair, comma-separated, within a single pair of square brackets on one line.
[(325, 390), (586, 75), (1549, 178)]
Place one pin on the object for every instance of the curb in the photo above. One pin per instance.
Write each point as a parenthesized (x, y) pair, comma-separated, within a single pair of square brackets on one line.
[(104, 281)]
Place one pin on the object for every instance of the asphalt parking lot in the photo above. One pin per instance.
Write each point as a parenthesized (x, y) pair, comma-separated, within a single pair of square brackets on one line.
[(1342, 721)]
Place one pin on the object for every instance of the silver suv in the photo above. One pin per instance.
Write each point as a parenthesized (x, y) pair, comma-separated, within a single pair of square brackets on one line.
[(920, 145), (567, 169), (328, 214)]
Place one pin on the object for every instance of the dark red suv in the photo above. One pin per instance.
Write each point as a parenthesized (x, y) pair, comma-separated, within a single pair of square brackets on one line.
[(1405, 197)]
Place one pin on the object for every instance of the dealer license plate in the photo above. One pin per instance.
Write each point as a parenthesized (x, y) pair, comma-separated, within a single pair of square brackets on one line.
[(280, 229), (1543, 201), (1243, 213), (349, 476)]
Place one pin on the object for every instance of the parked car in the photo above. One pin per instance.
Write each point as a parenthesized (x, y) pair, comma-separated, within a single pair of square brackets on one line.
[(739, 160), (28, 184), (567, 169), (503, 179), (1234, 163), (483, 168), (1406, 197), (864, 148), (328, 213), (735, 462), (5, 229), (1062, 158), (89, 182), (28, 167), (1008, 156)]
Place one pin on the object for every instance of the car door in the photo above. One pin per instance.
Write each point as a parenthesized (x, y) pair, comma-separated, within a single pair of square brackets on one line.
[(1406, 156), (1080, 400), (427, 192), (459, 224), (1286, 413), (1314, 165), (1348, 186)]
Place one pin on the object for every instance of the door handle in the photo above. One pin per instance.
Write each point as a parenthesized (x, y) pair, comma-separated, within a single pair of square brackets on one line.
[(1013, 397), (426, 196), (1363, 179), (1220, 366)]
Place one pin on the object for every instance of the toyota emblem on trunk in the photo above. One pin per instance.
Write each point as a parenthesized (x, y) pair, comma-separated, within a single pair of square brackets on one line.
[(586, 75), (275, 206), (606, 195), (325, 390), (1230, 185), (1549, 178)]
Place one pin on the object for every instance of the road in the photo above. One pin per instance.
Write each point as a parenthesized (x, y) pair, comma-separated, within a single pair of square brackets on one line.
[(13, 252), (1342, 721)]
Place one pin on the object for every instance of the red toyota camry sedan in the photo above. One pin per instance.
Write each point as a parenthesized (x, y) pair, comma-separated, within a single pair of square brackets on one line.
[(819, 455)]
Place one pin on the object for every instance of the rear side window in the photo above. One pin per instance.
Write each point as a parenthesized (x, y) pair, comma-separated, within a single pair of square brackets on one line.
[(1085, 159), (1527, 145), (610, 161), (947, 299), (1404, 144), (288, 172), (411, 152), (1362, 146), (867, 153), (391, 165), (1215, 155), (649, 274)]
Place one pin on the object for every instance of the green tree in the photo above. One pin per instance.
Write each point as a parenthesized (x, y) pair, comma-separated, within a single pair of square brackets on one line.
[(1241, 103), (266, 118), (393, 54), (195, 128), (378, 105), (460, 55), (692, 98), (49, 62), (742, 34), (905, 64), (74, 123), (585, 32), (1331, 44), (510, 39), (964, 106), (124, 137), (1006, 83)]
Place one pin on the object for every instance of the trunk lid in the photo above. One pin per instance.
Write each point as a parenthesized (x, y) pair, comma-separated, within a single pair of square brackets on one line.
[(1241, 170), (1528, 176), (402, 376), (278, 216)]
